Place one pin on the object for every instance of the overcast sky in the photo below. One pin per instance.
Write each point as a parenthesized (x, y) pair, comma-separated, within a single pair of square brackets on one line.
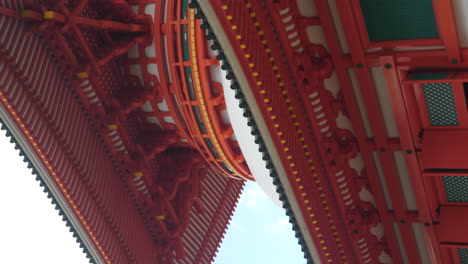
[(259, 233), (31, 231)]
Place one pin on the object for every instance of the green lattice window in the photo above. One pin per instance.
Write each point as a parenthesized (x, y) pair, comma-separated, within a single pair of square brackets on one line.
[(440, 104), (463, 252), (456, 188), (399, 19)]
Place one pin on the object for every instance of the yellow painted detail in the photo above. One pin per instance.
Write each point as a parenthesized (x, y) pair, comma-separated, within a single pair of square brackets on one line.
[(242, 46), (160, 217), (112, 127), (49, 14), (248, 5), (82, 75), (251, 65), (225, 7), (138, 174), (201, 97), (234, 27), (253, 14), (262, 92), (238, 37)]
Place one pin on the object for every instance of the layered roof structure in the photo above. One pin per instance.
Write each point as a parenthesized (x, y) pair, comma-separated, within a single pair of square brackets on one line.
[(359, 105), (358, 108), (119, 115)]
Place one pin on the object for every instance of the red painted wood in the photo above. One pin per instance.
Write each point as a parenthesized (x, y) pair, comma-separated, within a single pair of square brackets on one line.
[(452, 227), (445, 149), (61, 109)]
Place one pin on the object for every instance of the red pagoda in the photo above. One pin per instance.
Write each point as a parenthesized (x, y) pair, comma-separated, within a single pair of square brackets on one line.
[(359, 108)]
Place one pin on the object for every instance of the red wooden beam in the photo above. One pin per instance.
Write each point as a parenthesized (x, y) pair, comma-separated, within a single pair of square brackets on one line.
[(282, 126), (367, 87), (353, 109), (445, 17), (453, 230), (407, 141)]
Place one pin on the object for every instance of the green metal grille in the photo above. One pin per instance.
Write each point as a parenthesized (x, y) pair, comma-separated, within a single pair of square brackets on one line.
[(456, 188), (463, 252), (440, 104), (429, 76), (399, 19)]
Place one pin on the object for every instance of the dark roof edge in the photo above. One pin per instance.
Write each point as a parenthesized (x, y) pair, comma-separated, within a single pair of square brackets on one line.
[(46, 188), (254, 129)]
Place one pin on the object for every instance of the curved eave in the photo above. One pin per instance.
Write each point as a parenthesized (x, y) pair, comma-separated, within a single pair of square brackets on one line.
[(259, 128), (50, 187)]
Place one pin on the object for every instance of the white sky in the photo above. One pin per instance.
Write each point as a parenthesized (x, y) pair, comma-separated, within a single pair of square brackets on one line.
[(259, 233), (31, 231)]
